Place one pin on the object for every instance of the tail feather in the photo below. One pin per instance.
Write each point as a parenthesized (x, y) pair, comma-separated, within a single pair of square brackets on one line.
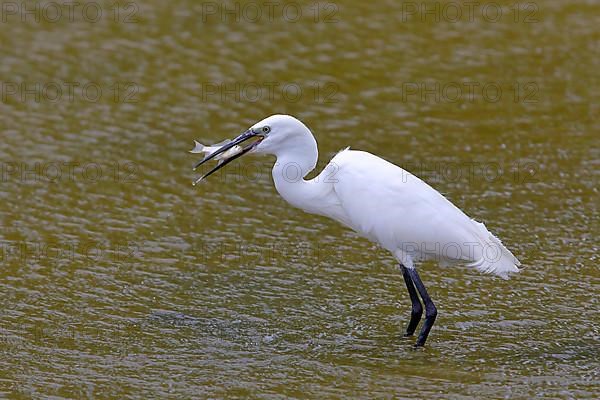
[(495, 257)]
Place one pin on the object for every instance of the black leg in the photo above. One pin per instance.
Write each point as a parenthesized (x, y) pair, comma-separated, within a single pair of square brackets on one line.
[(417, 308), (430, 310)]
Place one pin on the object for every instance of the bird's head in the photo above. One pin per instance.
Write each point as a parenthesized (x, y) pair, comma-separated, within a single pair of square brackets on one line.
[(278, 132), (272, 135)]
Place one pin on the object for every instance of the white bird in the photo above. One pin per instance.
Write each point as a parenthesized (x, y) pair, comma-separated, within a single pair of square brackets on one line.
[(378, 200)]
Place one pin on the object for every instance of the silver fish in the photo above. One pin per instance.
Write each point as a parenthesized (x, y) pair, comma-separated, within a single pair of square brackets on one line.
[(200, 148)]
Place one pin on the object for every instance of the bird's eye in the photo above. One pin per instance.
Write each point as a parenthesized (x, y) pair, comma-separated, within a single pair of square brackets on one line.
[(266, 129)]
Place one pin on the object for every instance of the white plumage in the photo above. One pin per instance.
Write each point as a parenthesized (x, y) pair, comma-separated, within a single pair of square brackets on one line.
[(378, 200), (406, 216)]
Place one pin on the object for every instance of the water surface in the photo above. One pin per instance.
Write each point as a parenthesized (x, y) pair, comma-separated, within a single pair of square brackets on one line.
[(119, 279)]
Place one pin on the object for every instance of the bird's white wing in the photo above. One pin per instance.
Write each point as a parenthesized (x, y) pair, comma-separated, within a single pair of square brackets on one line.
[(404, 214)]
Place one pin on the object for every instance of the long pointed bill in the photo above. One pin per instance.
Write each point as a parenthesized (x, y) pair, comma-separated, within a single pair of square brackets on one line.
[(249, 134)]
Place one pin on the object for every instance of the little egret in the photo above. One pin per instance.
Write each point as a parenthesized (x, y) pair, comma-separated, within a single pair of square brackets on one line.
[(375, 198)]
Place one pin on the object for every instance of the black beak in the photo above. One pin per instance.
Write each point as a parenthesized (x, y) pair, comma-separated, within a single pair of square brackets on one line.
[(249, 134)]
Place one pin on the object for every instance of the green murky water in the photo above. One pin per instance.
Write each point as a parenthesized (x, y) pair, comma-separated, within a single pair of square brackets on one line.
[(119, 279)]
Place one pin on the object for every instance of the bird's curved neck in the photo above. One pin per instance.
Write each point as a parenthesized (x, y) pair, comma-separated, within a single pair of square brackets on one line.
[(293, 164)]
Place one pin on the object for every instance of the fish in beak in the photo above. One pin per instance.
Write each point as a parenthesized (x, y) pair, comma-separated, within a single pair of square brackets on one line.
[(199, 148), (225, 152)]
